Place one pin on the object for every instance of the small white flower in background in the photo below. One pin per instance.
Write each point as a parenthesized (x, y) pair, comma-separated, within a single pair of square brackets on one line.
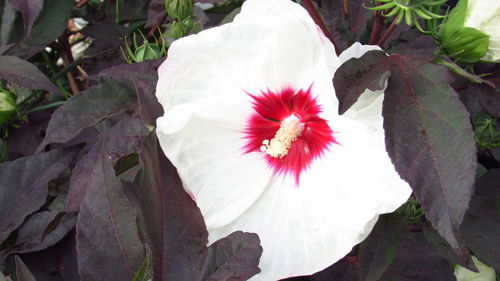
[(251, 124), (486, 273), (471, 32)]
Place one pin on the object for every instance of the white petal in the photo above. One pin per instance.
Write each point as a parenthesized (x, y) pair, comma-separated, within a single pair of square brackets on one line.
[(208, 155), (270, 44), (356, 50), (307, 228)]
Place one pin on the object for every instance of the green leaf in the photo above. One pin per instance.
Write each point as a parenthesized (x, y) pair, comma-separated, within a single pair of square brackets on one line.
[(455, 20)]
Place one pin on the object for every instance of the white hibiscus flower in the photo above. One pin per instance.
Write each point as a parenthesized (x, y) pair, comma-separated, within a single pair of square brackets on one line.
[(251, 124)]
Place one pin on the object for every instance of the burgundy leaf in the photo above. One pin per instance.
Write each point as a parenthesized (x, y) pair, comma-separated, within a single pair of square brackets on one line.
[(430, 141), (25, 74), (156, 13), (23, 185), (378, 250), (356, 75), (417, 260), (107, 237), (233, 258), (22, 271), (50, 24), (175, 230), (57, 263), (144, 75), (30, 237), (118, 141), (481, 226), (488, 97), (87, 109), (30, 10)]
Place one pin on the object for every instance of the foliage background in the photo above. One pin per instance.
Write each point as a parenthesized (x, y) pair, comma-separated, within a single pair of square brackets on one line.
[(87, 194)]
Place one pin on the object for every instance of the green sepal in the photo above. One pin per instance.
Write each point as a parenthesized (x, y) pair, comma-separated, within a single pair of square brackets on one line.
[(466, 44), (455, 19)]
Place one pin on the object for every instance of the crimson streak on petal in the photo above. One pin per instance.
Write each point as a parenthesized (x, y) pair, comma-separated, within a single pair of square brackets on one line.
[(271, 108)]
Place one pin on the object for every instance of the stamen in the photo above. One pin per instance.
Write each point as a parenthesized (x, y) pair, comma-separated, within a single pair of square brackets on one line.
[(290, 129)]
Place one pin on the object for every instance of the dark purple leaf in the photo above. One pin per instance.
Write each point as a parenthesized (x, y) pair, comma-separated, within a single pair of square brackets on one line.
[(23, 185), (22, 271), (481, 226), (31, 234), (118, 141), (428, 134), (25, 74), (378, 250), (50, 24), (444, 249), (240, 264), (175, 230), (346, 28), (57, 263), (144, 71), (416, 260), (357, 75), (87, 109), (430, 141), (149, 106), (488, 97), (346, 269), (30, 10), (144, 76), (156, 13), (107, 237)]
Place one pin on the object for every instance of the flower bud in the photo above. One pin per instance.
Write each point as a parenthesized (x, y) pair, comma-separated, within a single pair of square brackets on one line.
[(486, 273), (179, 9), (470, 32), (181, 28), (8, 108), (148, 51)]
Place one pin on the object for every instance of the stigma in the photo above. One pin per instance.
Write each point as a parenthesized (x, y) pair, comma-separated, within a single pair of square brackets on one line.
[(290, 129)]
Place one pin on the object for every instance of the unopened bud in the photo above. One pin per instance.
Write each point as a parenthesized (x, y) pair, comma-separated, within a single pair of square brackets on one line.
[(179, 9), (8, 108)]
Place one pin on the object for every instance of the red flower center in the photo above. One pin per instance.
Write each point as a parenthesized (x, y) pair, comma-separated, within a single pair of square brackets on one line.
[(287, 129)]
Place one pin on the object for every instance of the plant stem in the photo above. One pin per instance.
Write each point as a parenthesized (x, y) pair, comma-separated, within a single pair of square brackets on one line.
[(345, 4), (317, 19), (67, 57), (387, 32), (377, 27), (81, 3)]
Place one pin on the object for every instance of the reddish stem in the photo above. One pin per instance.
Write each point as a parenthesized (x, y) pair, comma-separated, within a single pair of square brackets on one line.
[(387, 32), (460, 87), (317, 19), (377, 27), (346, 7), (81, 3)]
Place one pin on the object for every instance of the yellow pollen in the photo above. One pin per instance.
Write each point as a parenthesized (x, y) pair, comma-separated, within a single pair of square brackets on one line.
[(288, 132)]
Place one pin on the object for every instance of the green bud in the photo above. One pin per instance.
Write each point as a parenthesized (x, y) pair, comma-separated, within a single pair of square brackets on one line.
[(8, 108), (469, 34), (486, 133), (466, 44), (181, 28), (179, 9), (148, 51)]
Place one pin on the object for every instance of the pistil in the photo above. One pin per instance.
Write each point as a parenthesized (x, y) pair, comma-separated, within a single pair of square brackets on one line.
[(289, 130)]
